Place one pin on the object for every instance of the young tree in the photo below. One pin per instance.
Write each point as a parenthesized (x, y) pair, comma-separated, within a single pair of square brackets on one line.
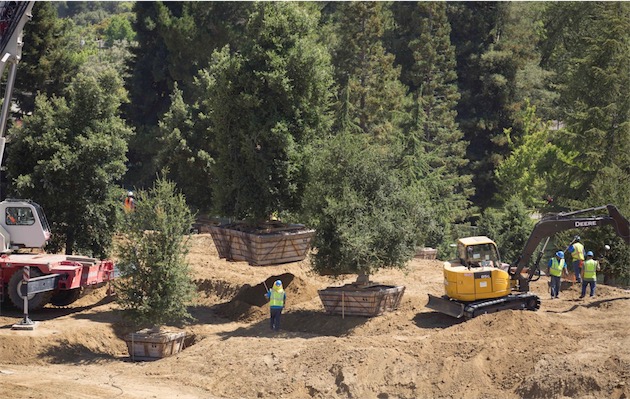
[(365, 216), (265, 103), (155, 285), (68, 157)]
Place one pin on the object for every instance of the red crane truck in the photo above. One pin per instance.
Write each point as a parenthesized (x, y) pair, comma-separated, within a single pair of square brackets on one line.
[(56, 279)]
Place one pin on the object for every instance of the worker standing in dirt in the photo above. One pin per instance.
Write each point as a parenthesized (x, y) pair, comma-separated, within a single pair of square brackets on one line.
[(277, 298), (589, 274), (556, 269), (577, 254)]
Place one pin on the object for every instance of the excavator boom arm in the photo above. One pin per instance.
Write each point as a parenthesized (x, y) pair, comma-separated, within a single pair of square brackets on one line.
[(567, 221)]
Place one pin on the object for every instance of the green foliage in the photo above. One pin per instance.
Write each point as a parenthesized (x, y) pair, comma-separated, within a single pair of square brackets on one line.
[(433, 146), (509, 228), (119, 28), (185, 151), (264, 104), (68, 157), (155, 285), (496, 55), (48, 60), (524, 173), (591, 57), (371, 99), (366, 219)]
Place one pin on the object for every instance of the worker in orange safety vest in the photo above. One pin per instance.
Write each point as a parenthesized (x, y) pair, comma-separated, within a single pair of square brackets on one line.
[(130, 202)]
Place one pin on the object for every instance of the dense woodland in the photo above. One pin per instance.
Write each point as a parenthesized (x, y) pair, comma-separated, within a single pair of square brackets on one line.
[(384, 125)]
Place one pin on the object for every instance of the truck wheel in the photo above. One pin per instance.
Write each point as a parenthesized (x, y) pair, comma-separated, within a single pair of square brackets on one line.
[(35, 301), (65, 297)]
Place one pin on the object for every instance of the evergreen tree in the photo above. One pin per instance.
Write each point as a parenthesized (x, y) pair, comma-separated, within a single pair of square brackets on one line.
[(156, 284), (371, 97), (175, 41), (185, 150), (496, 55), (265, 104), (593, 71), (68, 157), (434, 144), (365, 214), (48, 63)]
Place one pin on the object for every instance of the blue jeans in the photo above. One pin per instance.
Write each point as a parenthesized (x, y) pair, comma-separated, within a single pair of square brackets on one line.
[(592, 284), (577, 270), (555, 286), (275, 318)]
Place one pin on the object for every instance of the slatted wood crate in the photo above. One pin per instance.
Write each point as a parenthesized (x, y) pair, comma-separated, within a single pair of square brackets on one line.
[(353, 300), (147, 345), (277, 244), (426, 253)]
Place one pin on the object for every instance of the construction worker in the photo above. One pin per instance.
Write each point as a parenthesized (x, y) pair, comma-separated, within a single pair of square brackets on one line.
[(130, 202), (277, 298), (556, 268), (577, 254), (589, 274)]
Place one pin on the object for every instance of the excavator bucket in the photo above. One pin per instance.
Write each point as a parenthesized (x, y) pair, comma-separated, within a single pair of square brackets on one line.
[(446, 306)]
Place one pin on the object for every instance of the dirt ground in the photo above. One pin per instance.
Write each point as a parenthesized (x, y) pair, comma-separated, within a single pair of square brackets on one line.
[(570, 348)]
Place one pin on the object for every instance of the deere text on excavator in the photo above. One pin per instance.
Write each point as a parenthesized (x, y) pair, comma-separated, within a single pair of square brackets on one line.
[(478, 282)]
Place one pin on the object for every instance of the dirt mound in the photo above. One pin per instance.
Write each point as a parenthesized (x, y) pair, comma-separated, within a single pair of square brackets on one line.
[(571, 347), (250, 304)]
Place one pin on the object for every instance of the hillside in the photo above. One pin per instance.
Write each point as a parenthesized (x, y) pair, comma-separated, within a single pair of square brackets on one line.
[(569, 348)]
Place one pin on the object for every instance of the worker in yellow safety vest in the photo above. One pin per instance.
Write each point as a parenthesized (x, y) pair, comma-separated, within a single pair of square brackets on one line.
[(556, 268), (589, 274), (277, 298), (577, 254)]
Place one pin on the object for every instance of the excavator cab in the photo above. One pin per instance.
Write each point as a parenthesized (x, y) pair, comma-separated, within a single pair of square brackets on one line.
[(478, 252), (22, 225)]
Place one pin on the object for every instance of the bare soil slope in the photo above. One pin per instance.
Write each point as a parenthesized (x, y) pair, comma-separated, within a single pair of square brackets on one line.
[(570, 348)]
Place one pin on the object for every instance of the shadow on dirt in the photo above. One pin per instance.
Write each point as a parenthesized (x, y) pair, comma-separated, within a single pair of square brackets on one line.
[(432, 320), (77, 354), (308, 324), (595, 304), (51, 313)]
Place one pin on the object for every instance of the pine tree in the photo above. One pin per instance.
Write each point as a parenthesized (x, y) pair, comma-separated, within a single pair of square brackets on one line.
[(48, 63), (497, 70), (433, 140), (371, 96), (186, 151), (593, 70)]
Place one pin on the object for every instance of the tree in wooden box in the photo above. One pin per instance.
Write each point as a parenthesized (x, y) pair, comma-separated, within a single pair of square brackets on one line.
[(155, 285), (266, 101), (365, 220)]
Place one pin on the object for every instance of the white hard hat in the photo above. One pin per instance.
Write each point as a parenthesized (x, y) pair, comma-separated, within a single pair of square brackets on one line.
[(130, 194)]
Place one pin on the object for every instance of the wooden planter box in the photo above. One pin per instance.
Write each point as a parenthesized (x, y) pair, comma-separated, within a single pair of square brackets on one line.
[(353, 300), (273, 245), (426, 253), (147, 345)]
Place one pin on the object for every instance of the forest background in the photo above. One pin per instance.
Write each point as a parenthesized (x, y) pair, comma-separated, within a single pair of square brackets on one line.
[(405, 122)]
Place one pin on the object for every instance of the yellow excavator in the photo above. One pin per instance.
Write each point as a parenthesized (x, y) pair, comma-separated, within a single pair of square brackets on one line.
[(477, 282)]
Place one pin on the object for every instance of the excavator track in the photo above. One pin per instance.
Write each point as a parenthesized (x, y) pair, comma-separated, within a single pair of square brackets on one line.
[(523, 301)]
